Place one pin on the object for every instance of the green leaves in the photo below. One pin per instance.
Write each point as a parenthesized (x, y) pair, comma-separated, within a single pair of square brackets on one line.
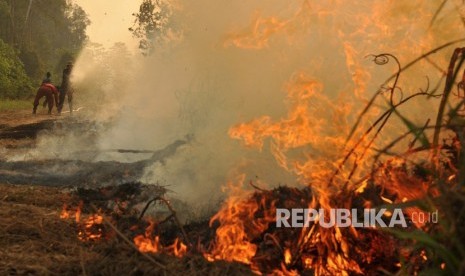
[(41, 32), (14, 82), (151, 23)]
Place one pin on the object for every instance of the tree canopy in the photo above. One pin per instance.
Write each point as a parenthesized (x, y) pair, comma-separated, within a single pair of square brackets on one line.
[(151, 23), (45, 34), (14, 83)]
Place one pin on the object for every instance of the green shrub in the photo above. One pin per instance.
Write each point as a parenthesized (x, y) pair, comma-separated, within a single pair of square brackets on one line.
[(14, 82)]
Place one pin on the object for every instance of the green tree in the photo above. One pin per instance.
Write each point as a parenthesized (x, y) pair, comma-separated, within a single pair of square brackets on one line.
[(151, 24), (14, 82), (44, 32), (78, 22)]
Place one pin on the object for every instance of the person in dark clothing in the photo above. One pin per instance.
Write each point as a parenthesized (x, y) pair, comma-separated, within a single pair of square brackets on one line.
[(48, 78), (66, 89)]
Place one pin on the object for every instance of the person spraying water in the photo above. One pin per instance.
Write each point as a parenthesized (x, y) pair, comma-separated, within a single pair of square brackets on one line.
[(66, 88)]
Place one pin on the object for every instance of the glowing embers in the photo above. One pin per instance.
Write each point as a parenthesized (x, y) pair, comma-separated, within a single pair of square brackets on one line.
[(90, 227), (93, 228), (65, 212)]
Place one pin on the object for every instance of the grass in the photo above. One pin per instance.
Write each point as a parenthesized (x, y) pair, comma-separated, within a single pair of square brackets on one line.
[(14, 105)]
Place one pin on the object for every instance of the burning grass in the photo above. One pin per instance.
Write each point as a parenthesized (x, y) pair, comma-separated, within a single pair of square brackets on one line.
[(34, 240), (340, 167)]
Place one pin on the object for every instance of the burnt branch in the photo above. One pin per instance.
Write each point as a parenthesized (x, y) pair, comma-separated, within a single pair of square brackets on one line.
[(452, 73)]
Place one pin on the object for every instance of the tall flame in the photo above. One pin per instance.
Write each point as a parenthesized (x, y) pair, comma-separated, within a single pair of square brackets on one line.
[(238, 226), (311, 140), (147, 243)]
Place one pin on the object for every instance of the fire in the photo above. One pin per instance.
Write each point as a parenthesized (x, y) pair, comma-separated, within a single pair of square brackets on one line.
[(257, 35), (317, 127), (287, 256), (238, 226), (285, 272), (147, 243), (314, 125), (314, 141), (177, 249), (78, 212), (65, 214), (92, 228)]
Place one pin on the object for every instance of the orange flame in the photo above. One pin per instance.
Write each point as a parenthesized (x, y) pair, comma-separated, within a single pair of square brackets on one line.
[(316, 126), (238, 227), (92, 228), (287, 256), (65, 214), (257, 35), (78, 212), (285, 272), (178, 248), (145, 243)]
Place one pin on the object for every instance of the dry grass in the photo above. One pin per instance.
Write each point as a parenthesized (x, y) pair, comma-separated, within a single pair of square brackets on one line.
[(33, 238)]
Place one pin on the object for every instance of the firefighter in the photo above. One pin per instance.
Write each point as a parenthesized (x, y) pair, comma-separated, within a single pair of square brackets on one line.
[(48, 78), (48, 91), (66, 89)]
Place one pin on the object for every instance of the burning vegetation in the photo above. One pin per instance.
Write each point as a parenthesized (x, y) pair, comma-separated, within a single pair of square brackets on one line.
[(422, 178), (344, 156)]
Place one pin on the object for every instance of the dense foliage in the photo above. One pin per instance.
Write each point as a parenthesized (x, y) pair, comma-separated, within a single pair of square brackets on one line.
[(44, 35), (14, 83)]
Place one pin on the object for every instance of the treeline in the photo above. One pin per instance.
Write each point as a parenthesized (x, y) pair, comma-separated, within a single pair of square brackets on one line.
[(37, 36)]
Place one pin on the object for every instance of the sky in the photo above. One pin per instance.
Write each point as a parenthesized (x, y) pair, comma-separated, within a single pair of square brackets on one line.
[(110, 20)]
